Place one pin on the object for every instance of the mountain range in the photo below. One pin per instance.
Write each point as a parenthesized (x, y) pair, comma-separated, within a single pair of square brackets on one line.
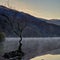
[(35, 27)]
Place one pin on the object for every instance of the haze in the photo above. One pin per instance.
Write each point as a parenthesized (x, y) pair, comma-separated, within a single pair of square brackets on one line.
[(40, 8)]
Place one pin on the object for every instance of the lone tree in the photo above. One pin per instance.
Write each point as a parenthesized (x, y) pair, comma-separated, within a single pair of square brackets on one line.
[(17, 27)]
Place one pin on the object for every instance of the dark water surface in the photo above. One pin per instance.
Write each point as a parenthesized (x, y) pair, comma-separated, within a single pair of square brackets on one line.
[(33, 47)]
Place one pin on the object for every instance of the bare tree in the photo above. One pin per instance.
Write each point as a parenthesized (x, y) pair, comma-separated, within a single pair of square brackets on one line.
[(17, 27)]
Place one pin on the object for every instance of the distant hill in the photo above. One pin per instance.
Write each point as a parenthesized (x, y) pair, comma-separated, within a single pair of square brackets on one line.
[(54, 21), (35, 27)]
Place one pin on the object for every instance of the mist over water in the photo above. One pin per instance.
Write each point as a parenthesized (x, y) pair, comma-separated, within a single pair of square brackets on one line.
[(32, 47)]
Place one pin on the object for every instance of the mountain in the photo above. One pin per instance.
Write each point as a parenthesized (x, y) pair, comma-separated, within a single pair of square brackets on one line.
[(54, 21), (35, 27)]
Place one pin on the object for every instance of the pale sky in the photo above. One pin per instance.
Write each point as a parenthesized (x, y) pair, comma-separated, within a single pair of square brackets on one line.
[(40, 8)]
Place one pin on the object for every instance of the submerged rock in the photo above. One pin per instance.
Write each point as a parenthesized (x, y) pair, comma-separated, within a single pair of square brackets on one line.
[(13, 55)]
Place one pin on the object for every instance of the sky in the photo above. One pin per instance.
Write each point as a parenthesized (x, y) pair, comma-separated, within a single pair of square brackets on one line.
[(48, 9)]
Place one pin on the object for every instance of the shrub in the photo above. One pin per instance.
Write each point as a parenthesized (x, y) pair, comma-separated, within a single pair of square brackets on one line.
[(2, 36)]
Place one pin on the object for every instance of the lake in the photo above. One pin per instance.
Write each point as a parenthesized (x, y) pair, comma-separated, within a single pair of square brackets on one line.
[(34, 48)]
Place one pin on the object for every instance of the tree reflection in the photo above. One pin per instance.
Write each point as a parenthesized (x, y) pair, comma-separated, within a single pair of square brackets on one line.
[(1, 47)]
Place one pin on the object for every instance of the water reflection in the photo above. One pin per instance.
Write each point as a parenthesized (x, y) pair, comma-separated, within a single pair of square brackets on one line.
[(8, 45), (1, 47), (32, 47)]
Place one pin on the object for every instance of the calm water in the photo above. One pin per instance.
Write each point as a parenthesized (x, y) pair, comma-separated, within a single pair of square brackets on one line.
[(34, 48), (9, 44)]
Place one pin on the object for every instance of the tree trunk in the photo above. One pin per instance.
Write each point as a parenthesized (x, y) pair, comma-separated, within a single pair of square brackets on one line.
[(20, 38), (20, 44), (20, 49)]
